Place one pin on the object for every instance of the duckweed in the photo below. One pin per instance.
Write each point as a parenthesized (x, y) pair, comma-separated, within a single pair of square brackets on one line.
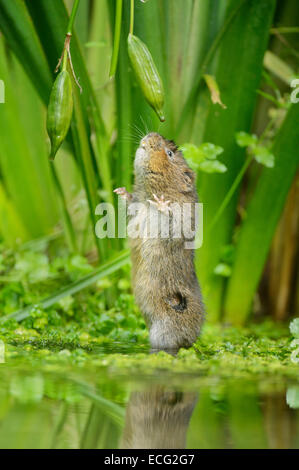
[(90, 328)]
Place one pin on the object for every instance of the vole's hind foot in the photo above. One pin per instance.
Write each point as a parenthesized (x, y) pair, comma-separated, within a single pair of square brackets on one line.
[(123, 193), (160, 203)]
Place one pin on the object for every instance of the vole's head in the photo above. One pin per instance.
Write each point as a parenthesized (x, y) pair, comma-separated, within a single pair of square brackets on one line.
[(156, 154), (160, 163)]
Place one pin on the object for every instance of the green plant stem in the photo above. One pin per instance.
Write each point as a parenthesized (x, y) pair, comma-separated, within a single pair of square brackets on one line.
[(60, 424), (102, 153), (96, 115), (85, 162), (66, 54), (66, 216), (285, 30), (85, 158), (132, 17), (73, 16), (64, 62), (70, 233), (231, 192), (267, 129), (117, 33)]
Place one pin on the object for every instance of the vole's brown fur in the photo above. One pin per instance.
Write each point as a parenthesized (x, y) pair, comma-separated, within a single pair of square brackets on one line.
[(158, 418), (164, 280)]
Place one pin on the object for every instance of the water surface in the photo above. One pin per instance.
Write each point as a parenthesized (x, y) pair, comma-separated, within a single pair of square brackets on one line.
[(73, 406)]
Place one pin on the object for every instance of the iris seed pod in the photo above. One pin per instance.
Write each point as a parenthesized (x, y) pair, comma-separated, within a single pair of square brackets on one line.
[(147, 74), (60, 111)]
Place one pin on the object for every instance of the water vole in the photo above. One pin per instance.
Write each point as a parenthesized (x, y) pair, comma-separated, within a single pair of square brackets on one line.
[(164, 280)]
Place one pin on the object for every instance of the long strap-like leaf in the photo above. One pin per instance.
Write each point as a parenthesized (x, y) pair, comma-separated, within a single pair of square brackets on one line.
[(263, 214), (238, 75), (17, 27)]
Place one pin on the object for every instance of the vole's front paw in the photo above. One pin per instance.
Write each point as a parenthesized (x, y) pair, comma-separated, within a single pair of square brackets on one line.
[(160, 203), (123, 193)]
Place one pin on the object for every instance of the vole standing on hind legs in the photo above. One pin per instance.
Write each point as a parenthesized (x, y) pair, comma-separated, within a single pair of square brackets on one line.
[(164, 280)]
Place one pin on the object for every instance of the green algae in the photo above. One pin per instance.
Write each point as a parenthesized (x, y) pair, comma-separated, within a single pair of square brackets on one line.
[(259, 350), (107, 331)]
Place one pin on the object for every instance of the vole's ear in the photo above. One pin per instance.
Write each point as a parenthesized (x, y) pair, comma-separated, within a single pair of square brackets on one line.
[(189, 179), (177, 302)]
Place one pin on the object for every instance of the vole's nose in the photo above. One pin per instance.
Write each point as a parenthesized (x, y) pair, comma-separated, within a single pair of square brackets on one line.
[(151, 140)]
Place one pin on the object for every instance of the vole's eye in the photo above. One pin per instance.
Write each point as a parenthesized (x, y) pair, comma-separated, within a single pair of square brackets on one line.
[(169, 153)]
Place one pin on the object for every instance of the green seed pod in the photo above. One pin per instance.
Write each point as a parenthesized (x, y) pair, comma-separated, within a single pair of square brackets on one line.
[(147, 74), (60, 111)]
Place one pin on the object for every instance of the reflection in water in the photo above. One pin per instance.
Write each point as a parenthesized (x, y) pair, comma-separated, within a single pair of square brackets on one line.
[(158, 418), (98, 411), (279, 422)]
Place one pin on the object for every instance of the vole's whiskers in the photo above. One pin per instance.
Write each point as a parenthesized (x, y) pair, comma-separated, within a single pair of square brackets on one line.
[(129, 139), (146, 129), (137, 130), (127, 135), (151, 122)]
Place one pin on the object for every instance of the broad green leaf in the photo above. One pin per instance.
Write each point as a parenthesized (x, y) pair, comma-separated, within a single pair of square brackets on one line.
[(263, 156), (223, 269), (24, 165), (261, 153), (192, 156), (190, 151), (210, 151), (212, 166), (244, 139), (203, 158), (10, 223)]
